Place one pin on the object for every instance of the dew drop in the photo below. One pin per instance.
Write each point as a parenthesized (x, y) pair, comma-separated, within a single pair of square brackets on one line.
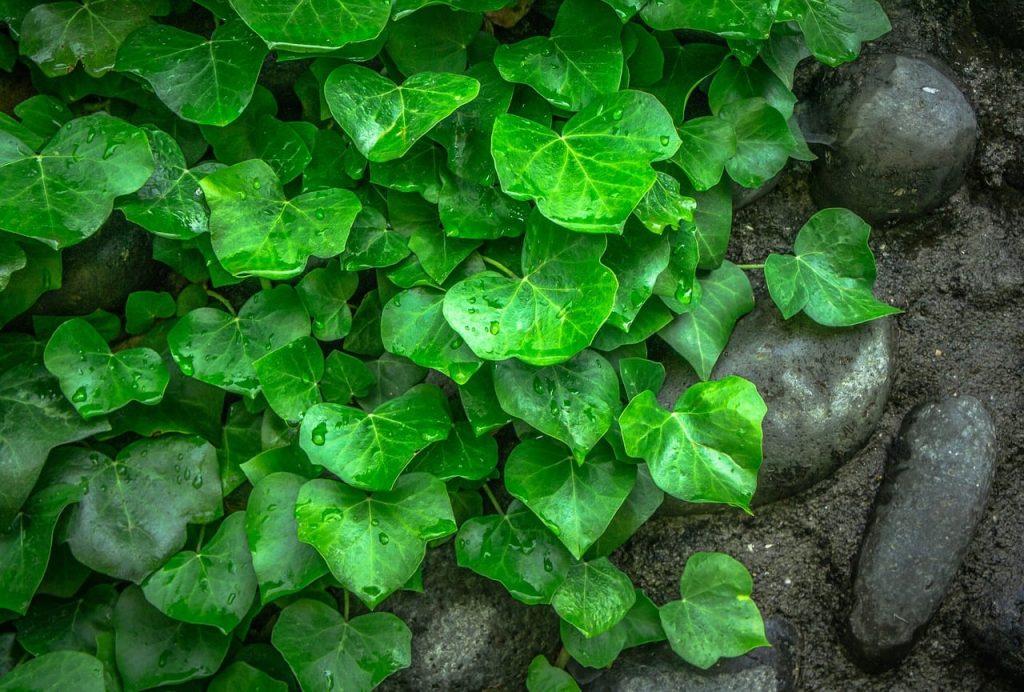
[(91, 136), (456, 344), (320, 214), (495, 327), (383, 538), (162, 661), (256, 184), (79, 396), (232, 597), (320, 435), (665, 139), (617, 114), (548, 567)]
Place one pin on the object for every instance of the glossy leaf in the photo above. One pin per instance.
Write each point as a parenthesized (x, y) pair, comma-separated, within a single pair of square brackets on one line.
[(462, 455), (242, 676), (544, 677), (433, 39), (144, 308), (313, 26), (834, 29), (480, 403), (640, 505), (591, 176), (594, 597), (469, 210), (325, 292), (374, 543), (641, 625), (708, 449), (640, 374), (763, 141), (372, 244), (736, 19), (345, 377), (289, 377), (637, 258), (60, 670), (831, 275), (707, 145), (663, 206), (715, 617)]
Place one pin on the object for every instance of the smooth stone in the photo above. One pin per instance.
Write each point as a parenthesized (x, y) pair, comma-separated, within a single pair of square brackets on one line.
[(927, 508), (825, 388), (745, 196), (994, 625), (904, 137), (468, 633), (657, 668), (1002, 18)]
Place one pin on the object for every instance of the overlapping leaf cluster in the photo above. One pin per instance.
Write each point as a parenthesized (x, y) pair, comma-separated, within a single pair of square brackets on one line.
[(417, 279)]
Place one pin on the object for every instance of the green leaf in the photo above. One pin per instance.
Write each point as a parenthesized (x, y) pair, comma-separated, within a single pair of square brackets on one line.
[(831, 275), (418, 171), (592, 175), (58, 625), (372, 244), (515, 549), (144, 308), (241, 676), (643, 500), (544, 677), (153, 650), (257, 134), (594, 597), (288, 459), (370, 450), (97, 381), (373, 544), (325, 652), (834, 29), (283, 564), (708, 449), (701, 334), (547, 316), (735, 19), (34, 418), (60, 670), (575, 500), (663, 206), (708, 143), (713, 224), (345, 377), (41, 117), (641, 625), (213, 585), (26, 542), (686, 68), (438, 253), (736, 82), (256, 231), (715, 617), (433, 39), (57, 35), (462, 455), (289, 376), (325, 292), (581, 60), (206, 81), (645, 59), (640, 374), (763, 141), (385, 120), (133, 516), (480, 403), (636, 257), (64, 194), (392, 376), (314, 26), (12, 259), (216, 348), (469, 210), (575, 401)]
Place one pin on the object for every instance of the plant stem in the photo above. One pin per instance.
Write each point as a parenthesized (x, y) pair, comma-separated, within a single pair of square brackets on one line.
[(499, 266), (265, 284), (493, 499), (563, 658), (750, 266), (222, 300), (346, 607), (202, 535)]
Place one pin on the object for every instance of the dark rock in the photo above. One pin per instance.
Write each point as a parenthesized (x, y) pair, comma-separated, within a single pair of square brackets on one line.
[(1002, 18), (995, 625), (658, 668), (468, 633), (825, 389), (934, 493), (101, 271), (904, 137)]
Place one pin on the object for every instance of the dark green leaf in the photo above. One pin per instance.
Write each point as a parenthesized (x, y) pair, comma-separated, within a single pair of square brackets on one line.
[(544, 677), (834, 29), (345, 377), (708, 144), (392, 376), (364, 338), (735, 82), (763, 141), (289, 377), (639, 374), (56, 625), (372, 244), (438, 253), (469, 210), (418, 171), (663, 206), (643, 500), (242, 676), (481, 403), (433, 39), (145, 307), (641, 625), (312, 26), (462, 455), (60, 670), (636, 257), (594, 597)]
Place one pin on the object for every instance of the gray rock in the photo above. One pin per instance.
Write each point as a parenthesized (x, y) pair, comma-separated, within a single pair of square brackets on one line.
[(745, 196), (925, 514), (994, 625), (468, 633), (658, 668), (1002, 18), (904, 137), (825, 388)]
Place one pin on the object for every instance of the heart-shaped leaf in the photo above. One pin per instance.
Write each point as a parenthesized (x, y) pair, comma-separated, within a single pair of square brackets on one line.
[(462, 455), (374, 543), (834, 29), (592, 175), (544, 677), (594, 597), (314, 26), (60, 670), (289, 377), (664, 206), (55, 624), (707, 145), (763, 141), (735, 19), (641, 625)]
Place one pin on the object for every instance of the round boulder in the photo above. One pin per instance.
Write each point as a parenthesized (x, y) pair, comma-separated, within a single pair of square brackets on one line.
[(903, 136)]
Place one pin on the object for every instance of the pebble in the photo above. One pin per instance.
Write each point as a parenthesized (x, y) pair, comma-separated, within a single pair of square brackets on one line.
[(903, 138), (927, 508), (825, 389), (1002, 18)]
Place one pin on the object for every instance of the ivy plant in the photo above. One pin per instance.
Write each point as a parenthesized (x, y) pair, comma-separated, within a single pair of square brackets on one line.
[(412, 254)]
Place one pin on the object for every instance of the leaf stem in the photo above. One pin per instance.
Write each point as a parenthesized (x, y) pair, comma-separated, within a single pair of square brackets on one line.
[(346, 606), (265, 284), (222, 300), (499, 266), (563, 658), (750, 266), (202, 535), (493, 499)]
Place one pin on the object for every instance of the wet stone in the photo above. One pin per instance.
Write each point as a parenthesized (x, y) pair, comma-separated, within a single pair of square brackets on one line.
[(927, 508), (825, 388), (902, 137)]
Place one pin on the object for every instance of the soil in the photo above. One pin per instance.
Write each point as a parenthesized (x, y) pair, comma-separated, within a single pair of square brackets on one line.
[(958, 275)]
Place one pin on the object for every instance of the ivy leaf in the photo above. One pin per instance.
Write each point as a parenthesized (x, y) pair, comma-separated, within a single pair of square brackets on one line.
[(213, 585), (57, 35), (575, 401), (34, 418), (206, 81), (469, 210), (641, 625), (707, 145), (834, 29), (12, 259), (733, 19), (640, 505), (831, 275), (152, 650), (256, 231), (325, 292), (701, 334), (370, 450), (480, 403), (57, 625), (385, 120), (97, 381), (64, 194), (549, 314), (418, 171), (438, 253), (134, 514), (345, 377), (371, 244), (544, 677), (144, 308), (594, 597), (708, 449), (581, 60), (640, 374), (241, 676), (219, 349), (373, 544), (736, 81), (314, 26), (325, 652), (715, 617), (515, 549), (26, 542), (636, 258), (686, 68), (60, 670), (663, 206), (434, 40), (289, 376), (462, 455), (575, 500), (592, 175), (763, 141), (283, 564)]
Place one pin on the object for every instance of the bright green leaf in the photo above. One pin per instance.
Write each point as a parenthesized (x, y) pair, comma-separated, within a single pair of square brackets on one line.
[(325, 292), (763, 141), (544, 677), (594, 597), (663, 206), (314, 26), (641, 625), (640, 374), (462, 455), (707, 145), (735, 19), (289, 376), (834, 29)]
